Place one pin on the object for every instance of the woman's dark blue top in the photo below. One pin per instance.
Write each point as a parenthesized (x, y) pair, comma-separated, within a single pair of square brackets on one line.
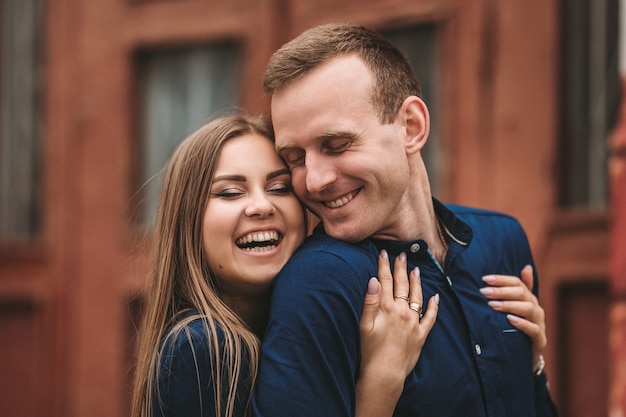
[(187, 379)]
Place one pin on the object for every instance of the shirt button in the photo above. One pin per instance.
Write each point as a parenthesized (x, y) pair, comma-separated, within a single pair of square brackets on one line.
[(478, 349), (415, 247)]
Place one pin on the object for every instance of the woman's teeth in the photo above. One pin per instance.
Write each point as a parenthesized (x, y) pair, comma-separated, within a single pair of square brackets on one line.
[(259, 241)]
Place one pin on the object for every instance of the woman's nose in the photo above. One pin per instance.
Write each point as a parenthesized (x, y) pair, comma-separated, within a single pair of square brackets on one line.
[(259, 205)]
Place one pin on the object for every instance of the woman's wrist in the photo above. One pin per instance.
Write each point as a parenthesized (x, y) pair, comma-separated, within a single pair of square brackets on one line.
[(377, 396)]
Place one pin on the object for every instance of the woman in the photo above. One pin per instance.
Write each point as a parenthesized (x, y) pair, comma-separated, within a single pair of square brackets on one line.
[(227, 222)]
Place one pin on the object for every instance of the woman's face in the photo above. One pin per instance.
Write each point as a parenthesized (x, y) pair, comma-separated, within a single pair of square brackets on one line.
[(253, 222)]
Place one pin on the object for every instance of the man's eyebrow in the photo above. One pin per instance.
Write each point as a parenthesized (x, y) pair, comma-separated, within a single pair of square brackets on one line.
[(338, 134), (280, 148), (333, 134)]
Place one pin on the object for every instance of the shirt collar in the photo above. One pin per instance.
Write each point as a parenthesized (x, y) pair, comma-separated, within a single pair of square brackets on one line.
[(454, 228)]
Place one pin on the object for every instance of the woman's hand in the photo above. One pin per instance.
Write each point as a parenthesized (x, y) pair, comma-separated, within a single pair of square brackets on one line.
[(393, 332), (514, 296)]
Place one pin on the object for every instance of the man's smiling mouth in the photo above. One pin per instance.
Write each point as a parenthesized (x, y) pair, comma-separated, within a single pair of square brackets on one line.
[(340, 202)]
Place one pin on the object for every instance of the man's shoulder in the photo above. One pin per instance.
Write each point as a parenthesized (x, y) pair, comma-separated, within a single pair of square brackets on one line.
[(321, 244), (460, 210), (480, 215), (336, 257)]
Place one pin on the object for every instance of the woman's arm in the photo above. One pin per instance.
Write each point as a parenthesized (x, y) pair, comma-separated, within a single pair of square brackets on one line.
[(393, 333)]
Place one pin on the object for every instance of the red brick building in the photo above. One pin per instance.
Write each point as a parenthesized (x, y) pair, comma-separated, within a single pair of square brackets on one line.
[(95, 93), (617, 171)]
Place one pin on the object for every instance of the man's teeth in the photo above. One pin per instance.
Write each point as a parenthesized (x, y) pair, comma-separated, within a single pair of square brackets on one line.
[(340, 201), (258, 241)]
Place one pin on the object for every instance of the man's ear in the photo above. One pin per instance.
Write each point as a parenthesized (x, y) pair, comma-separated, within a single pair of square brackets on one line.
[(416, 122)]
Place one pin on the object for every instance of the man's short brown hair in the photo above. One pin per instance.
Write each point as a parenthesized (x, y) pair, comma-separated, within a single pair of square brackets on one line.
[(394, 80)]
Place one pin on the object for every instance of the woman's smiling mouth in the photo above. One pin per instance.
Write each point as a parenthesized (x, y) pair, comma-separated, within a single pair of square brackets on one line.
[(259, 241)]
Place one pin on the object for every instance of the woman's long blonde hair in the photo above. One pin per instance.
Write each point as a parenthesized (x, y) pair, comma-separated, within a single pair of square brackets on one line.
[(181, 280)]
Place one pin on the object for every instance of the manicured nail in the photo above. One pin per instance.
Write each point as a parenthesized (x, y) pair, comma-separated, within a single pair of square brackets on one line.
[(437, 298), (416, 271), (495, 304), (489, 278), (512, 318), (402, 257), (384, 254), (372, 286), (486, 291)]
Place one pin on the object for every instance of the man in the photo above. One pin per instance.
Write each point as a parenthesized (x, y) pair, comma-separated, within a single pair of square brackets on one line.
[(350, 124)]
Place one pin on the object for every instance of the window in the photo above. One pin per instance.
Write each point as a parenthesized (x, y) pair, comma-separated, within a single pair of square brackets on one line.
[(419, 44), (20, 119), (181, 90), (590, 94)]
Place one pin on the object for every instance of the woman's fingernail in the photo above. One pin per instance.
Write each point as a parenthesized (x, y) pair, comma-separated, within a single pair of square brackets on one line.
[(372, 286), (402, 257), (489, 278), (384, 254), (437, 298), (486, 291), (512, 318), (495, 304), (416, 271)]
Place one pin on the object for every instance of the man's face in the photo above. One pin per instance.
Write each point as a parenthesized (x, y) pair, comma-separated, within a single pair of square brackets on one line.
[(347, 167)]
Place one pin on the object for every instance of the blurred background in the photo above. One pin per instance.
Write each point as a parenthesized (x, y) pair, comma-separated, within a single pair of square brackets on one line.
[(525, 98)]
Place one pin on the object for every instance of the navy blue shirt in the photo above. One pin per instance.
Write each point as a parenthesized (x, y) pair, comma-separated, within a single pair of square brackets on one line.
[(474, 363)]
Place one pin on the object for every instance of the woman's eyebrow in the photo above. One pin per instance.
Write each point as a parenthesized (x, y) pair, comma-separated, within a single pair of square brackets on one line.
[(238, 178), (243, 178), (278, 173)]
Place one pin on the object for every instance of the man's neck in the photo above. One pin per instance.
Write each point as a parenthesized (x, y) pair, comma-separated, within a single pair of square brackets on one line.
[(414, 223)]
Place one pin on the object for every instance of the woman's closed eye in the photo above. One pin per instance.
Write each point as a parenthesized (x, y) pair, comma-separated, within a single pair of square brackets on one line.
[(280, 188), (228, 193)]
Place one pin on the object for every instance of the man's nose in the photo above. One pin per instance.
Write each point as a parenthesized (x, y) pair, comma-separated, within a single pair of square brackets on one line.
[(320, 173)]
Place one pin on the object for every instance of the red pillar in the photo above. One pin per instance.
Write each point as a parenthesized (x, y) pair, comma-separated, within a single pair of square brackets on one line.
[(617, 177)]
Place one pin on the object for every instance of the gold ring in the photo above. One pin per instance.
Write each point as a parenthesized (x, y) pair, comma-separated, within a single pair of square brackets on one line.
[(416, 307), (404, 297)]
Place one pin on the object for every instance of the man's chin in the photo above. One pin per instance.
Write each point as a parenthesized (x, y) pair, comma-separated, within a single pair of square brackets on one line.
[(343, 232)]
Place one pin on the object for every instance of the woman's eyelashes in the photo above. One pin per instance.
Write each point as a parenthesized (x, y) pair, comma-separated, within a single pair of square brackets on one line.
[(281, 188), (228, 193), (236, 192)]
